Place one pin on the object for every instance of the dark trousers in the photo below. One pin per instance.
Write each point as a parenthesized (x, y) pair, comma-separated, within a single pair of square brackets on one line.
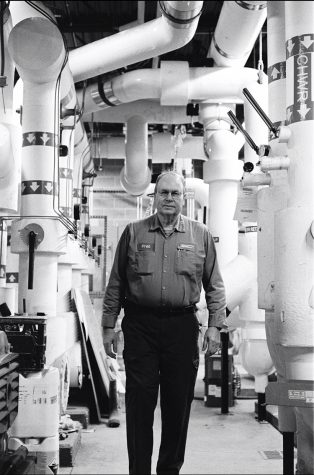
[(160, 352)]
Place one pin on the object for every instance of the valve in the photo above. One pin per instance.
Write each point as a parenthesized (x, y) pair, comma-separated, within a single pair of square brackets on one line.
[(260, 112), (248, 167), (262, 150), (32, 235)]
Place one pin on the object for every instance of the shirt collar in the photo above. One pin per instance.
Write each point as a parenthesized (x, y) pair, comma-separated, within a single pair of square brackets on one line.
[(179, 226)]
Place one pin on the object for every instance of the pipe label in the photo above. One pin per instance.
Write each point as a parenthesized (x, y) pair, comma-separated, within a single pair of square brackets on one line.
[(66, 173), (46, 139), (37, 187), (12, 277), (276, 71), (299, 53)]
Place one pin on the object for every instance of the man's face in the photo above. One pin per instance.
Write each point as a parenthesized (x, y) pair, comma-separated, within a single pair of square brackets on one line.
[(169, 198)]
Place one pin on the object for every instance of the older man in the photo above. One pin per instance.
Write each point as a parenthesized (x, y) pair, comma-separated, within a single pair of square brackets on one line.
[(160, 265)]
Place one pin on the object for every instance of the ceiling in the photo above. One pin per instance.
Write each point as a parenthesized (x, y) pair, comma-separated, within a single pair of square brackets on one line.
[(83, 22)]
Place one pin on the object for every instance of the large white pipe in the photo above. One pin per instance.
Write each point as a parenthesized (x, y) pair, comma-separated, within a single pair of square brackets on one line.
[(136, 175), (10, 130), (152, 111), (238, 26), (293, 253), (174, 83), (37, 48), (153, 38), (273, 198)]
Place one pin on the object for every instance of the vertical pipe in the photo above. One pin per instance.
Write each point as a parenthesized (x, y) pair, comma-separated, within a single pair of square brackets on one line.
[(135, 175), (273, 198)]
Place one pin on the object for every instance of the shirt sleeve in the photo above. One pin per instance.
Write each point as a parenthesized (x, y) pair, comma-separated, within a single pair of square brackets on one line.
[(213, 285), (115, 290)]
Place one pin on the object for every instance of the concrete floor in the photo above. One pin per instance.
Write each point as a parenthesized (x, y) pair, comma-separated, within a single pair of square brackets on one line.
[(234, 443)]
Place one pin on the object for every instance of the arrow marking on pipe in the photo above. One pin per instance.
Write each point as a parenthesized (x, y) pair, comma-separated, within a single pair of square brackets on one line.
[(34, 186), (65, 173), (39, 187), (276, 71), (40, 138), (48, 186), (290, 46), (303, 110), (300, 44), (12, 277), (30, 138), (45, 137), (76, 192), (307, 41), (2, 271)]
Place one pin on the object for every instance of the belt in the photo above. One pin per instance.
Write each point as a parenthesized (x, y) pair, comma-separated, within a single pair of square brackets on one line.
[(162, 312)]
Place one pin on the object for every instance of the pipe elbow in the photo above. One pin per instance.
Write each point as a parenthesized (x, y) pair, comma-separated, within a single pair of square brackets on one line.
[(36, 46), (135, 187)]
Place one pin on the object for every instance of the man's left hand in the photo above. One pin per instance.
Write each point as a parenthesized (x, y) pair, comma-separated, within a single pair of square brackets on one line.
[(211, 341)]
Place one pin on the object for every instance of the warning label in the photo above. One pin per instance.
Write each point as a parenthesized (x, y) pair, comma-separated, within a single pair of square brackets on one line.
[(296, 394)]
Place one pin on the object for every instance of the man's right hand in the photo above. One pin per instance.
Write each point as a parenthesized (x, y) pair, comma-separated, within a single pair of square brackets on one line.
[(110, 342)]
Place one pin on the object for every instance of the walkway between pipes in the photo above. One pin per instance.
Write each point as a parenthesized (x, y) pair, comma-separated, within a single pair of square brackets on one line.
[(234, 443)]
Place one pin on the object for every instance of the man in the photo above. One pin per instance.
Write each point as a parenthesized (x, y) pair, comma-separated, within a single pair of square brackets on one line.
[(160, 265)]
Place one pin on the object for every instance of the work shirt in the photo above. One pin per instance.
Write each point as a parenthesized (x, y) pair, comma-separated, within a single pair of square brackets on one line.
[(152, 270)]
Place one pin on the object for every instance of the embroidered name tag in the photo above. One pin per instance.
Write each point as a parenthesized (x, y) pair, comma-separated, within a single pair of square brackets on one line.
[(189, 247), (143, 246)]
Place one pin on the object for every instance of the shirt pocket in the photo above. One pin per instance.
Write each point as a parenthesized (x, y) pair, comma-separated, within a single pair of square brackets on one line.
[(185, 261), (144, 262)]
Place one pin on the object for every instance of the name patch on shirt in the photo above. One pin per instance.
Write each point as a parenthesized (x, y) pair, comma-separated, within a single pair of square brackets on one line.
[(143, 246), (189, 247)]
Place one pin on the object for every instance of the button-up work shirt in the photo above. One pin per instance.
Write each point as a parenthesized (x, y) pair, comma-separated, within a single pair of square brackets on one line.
[(153, 270)]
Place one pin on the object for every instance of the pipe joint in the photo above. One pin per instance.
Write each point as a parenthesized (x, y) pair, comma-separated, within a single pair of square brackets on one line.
[(180, 17), (274, 163), (255, 179)]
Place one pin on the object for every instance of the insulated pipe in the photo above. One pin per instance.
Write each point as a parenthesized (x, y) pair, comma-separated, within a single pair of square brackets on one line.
[(293, 256), (174, 83), (135, 175), (231, 45), (6, 104), (222, 172), (10, 130), (37, 48), (152, 111), (174, 29)]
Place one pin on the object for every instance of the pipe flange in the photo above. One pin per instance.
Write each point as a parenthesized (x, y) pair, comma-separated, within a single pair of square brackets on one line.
[(179, 17), (35, 228)]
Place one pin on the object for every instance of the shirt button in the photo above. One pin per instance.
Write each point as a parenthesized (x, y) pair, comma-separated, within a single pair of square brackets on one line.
[(165, 255), (164, 270), (163, 288)]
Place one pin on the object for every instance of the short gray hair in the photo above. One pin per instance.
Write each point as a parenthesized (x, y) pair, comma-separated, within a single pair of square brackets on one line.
[(170, 172)]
